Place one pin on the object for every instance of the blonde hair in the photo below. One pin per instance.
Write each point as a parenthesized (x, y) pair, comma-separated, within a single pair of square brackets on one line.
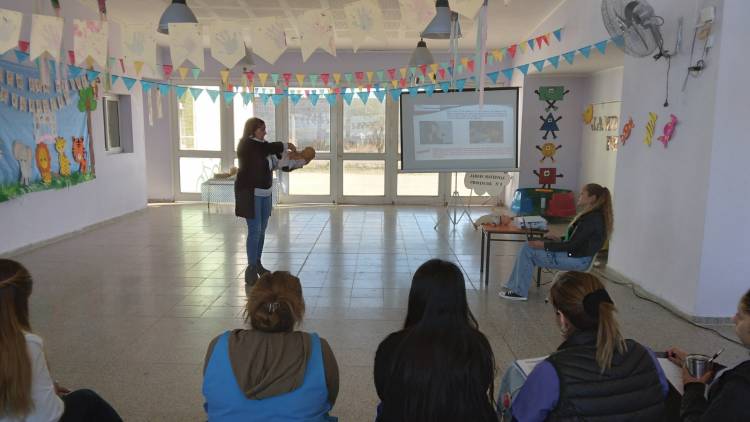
[(15, 365), (275, 303), (251, 125), (568, 294), (603, 204)]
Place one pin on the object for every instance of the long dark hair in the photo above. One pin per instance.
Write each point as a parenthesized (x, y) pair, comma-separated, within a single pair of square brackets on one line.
[(251, 125), (444, 368), (603, 204)]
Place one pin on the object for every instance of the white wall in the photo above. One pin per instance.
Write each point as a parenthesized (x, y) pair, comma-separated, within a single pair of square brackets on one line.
[(598, 164), (120, 184)]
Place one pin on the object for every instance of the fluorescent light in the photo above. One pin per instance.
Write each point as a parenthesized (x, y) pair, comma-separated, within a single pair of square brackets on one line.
[(177, 12)]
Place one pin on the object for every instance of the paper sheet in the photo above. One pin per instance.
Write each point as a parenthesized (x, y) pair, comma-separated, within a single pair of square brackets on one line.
[(365, 20), (468, 8), (316, 30), (269, 38), (10, 29), (139, 43), (673, 374), (46, 36), (227, 44), (90, 40), (186, 43), (417, 13)]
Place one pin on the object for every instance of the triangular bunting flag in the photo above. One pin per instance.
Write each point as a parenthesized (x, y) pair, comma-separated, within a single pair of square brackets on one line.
[(325, 77), (380, 95), (539, 65), (246, 98), (138, 65), (114, 79), (558, 34), (395, 94), (348, 97), (381, 75), (74, 71), (508, 73), (92, 75), (214, 94), (314, 97), (403, 83), (349, 77), (445, 86), (459, 69), (524, 68), (413, 91), (586, 51), (167, 69), (263, 77), (460, 83), (545, 38), (512, 50), (412, 70), (429, 89), (539, 41), (394, 83), (228, 97), (274, 78), (196, 92), (264, 98), (530, 43), (183, 71), (569, 56), (554, 61), (523, 47), (287, 78), (21, 56), (300, 79), (146, 86), (336, 78), (129, 82), (224, 76), (441, 72), (601, 46), (363, 96), (392, 73), (295, 98), (370, 75), (360, 76), (403, 71), (493, 76), (331, 98), (163, 89), (619, 41), (277, 99), (470, 65), (180, 91), (498, 55), (313, 79)]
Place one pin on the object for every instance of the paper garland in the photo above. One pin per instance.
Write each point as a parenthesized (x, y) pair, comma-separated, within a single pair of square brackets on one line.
[(10, 29), (46, 36), (365, 20), (90, 41), (227, 44)]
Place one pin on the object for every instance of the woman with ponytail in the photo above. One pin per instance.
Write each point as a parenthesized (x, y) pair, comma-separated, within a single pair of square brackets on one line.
[(574, 251), (27, 391), (271, 372), (595, 374)]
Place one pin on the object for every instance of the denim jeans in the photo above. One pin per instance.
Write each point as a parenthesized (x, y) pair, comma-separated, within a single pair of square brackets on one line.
[(256, 229), (528, 258)]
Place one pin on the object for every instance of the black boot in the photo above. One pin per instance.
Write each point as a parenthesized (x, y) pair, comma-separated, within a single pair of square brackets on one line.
[(261, 269), (251, 275)]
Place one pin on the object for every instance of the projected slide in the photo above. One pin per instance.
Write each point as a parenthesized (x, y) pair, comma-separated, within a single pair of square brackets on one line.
[(451, 132)]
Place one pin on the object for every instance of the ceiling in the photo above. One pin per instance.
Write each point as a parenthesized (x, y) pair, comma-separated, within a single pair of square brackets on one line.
[(506, 24)]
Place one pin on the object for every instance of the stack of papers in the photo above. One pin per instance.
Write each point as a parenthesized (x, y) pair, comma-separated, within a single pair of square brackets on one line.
[(534, 222)]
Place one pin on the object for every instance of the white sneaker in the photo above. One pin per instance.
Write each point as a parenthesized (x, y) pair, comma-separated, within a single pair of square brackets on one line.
[(510, 295)]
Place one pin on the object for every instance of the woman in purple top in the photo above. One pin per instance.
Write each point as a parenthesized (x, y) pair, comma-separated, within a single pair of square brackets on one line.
[(595, 374)]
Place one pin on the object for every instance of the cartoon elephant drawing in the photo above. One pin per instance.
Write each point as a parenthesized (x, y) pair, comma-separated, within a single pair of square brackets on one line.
[(25, 157)]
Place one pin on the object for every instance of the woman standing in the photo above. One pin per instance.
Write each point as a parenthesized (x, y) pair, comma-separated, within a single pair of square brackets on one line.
[(585, 236), (253, 189)]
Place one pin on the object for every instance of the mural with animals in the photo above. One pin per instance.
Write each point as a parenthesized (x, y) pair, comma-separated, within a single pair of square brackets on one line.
[(49, 149)]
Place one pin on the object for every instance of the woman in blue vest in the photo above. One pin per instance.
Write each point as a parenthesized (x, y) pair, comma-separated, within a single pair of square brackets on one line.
[(271, 372), (728, 391), (595, 374)]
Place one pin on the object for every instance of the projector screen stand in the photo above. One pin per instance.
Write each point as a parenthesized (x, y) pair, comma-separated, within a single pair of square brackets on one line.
[(453, 205)]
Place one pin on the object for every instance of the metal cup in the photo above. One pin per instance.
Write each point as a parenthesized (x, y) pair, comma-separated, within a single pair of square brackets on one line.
[(697, 365)]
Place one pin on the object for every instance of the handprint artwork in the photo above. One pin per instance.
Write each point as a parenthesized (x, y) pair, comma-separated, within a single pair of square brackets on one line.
[(227, 45), (185, 41), (46, 36), (10, 29), (269, 39), (138, 43)]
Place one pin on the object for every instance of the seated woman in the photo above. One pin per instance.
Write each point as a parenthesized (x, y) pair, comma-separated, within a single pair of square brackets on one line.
[(573, 252), (27, 391), (595, 374), (271, 372), (440, 367), (728, 391)]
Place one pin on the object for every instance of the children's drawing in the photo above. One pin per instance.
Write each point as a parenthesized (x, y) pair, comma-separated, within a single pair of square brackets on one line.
[(547, 177)]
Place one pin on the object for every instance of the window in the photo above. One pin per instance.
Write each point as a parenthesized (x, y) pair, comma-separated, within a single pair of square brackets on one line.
[(364, 178), (111, 124), (364, 126), (417, 184), (310, 125), (255, 108), (199, 121)]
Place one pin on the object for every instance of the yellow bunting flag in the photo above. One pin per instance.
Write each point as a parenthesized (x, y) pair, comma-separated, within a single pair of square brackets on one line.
[(138, 67), (522, 45), (89, 62), (404, 71), (434, 67), (183, 72), (498, 55), (300, 78), (336, 78), (225, 76), (395, 83), (262, 77), (465, 61), (370, 75)]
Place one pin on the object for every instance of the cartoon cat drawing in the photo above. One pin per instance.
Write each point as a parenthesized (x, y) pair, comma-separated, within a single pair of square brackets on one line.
[(79, 154), (62, 158)]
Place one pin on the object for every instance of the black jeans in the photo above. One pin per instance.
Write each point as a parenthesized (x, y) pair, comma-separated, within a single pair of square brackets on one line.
[(86, 405)]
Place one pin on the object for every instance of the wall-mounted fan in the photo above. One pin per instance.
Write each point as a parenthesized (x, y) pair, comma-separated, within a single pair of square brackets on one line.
[(635, 22)]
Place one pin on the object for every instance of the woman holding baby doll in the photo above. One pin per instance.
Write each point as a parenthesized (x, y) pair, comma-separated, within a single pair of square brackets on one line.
[(253, 189)]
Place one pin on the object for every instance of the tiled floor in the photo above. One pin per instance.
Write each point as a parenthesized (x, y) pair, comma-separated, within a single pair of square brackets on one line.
[(128, 308)]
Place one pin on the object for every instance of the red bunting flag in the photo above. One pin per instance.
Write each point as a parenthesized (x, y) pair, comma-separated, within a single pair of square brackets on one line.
[(423, 68), (403, 83), (167, 69), (545, 38), (359, 75), (23, 46), (470, 65), (325, 77), (337, 90), (287, 77), (539, 41), (441, 72), (392, 73), (250, 75), (72, 57), (512, 50), (230, 87), (369, 87)]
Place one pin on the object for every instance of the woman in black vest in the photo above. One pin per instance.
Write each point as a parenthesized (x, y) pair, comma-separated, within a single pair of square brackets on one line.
[(595, 375), (729, 392), (253, 189), (440, 367)]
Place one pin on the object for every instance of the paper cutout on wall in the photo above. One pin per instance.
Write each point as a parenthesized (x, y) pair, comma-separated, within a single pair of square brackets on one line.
[(186, 43), (668, 130), (551, 95), (547, 177), (10, 29), (269, 38), (612, 142), (316, 30), (227, 44), (468, 8), (550, 125), (588, 114), (650, 127), (90, 40), (365, 19), (139, 44), (626, 130), (417, 13), (46, 36), (548, 150)]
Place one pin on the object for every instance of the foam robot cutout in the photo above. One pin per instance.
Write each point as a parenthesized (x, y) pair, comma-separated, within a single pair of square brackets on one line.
[(550, 125), (551, 95), (650, 126), (668, 130), (547, 177), (548, 150), (626, 131), (588, 114)]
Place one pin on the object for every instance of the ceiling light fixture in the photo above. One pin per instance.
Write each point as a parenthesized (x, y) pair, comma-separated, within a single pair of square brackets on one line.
[(440, 26), (177, 12), (421, 55)]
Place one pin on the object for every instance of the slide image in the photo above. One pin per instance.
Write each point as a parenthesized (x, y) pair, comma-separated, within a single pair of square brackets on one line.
[(435, 133), (485, 132)]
